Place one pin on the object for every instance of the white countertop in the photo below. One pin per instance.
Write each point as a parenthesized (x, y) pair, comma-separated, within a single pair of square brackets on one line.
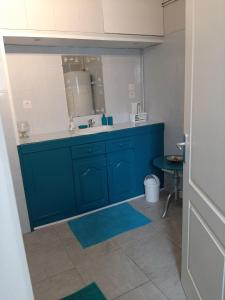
[(78, 132)]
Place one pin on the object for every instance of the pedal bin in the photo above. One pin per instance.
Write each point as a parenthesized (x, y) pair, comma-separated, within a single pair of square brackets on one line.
[(152, 185)]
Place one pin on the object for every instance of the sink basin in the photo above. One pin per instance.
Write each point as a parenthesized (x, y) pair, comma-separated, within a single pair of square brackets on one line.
[(97, 129)]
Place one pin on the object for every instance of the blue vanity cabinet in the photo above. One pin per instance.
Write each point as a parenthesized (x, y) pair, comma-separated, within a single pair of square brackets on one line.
[(69, 176), (121, 169), (49, 187), (121, 174), (91, 186)]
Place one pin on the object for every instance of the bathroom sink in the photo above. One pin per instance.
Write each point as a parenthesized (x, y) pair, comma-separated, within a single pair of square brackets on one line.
[(97, 129)]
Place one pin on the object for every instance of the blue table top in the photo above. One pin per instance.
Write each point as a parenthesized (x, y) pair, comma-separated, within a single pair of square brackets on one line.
[(162, 163)]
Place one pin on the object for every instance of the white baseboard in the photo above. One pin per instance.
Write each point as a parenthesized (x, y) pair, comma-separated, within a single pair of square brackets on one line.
[(88, 213)]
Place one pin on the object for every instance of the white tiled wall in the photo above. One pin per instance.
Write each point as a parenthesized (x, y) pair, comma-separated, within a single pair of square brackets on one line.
[(120, 71), (164, 88), (6, 116), (164, 77), (38, 77)]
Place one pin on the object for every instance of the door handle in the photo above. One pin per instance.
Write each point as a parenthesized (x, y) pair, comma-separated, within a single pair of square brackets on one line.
[(181, 146)]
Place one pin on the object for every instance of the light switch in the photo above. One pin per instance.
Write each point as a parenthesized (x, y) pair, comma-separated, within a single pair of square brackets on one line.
[(27, 104), (131, 87), (131, 94)]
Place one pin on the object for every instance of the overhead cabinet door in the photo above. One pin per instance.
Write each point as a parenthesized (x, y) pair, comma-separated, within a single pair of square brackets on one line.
[(66, 15), (12, 14), (144, 17), (91, 18), (40, 14)]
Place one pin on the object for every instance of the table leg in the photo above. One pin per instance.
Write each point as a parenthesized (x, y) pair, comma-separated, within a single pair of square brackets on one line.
[(176, 186), (168, 201)]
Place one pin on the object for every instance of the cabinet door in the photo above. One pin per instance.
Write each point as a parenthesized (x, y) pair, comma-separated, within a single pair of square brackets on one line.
[(91, 183), (143, 17), (49, 187), (91, 16), (121, 172), (40, 14), (12, 14), (67, 15), (147, 147)]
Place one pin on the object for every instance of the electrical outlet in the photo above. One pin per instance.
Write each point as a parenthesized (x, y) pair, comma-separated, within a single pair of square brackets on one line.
[(27, 104)]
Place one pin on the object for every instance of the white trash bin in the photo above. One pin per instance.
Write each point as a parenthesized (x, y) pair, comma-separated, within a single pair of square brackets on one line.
[(152, 185)]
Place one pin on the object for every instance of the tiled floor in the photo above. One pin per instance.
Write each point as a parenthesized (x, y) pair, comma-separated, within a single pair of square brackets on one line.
[(142, 264)]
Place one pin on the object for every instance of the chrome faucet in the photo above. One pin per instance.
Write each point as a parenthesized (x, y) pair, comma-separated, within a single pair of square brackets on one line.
[(91, 123)]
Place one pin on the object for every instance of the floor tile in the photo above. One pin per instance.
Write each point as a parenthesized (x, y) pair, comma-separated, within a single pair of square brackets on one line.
[(44, 239), (141, 264), (167, 279), (136, 235), (114, 273), (36, 266), (173, 227), (63, 231), (154, 253), (141, 204), (43, 264), (145, 292), (58, 286), (77, 254), (160, 259)]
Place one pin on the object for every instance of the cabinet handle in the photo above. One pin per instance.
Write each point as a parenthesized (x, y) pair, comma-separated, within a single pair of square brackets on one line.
[(118, 165), (86, 172)]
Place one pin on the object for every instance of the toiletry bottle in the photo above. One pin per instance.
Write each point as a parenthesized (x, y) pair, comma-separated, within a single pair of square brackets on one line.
[(110, 120), (104, 120)]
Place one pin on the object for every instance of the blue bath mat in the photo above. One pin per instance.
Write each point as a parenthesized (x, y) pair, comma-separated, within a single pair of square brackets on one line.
[(90, 292), (107, 223)]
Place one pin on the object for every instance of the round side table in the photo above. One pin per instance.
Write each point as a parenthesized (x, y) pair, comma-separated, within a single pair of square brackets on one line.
[(176, 169)]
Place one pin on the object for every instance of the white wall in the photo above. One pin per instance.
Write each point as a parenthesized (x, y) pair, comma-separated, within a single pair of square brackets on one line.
[(15, 280), (164, 77), (7, 116), (118, 72), (38, 77)]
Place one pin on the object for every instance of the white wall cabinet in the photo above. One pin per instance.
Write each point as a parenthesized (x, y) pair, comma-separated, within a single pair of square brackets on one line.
[(140, 17), (66, 15), (133, 22), (143, 17), (40, 14), (12, 14), (91, 16)]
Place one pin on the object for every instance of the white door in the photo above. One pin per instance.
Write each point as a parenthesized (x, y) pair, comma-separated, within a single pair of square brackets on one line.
[(204, 175)]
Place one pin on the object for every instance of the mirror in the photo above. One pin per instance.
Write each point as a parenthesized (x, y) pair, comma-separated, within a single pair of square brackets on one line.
[(84, 86)]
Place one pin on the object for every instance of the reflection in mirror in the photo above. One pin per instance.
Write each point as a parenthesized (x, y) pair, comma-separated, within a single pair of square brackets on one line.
[(84, 85)]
